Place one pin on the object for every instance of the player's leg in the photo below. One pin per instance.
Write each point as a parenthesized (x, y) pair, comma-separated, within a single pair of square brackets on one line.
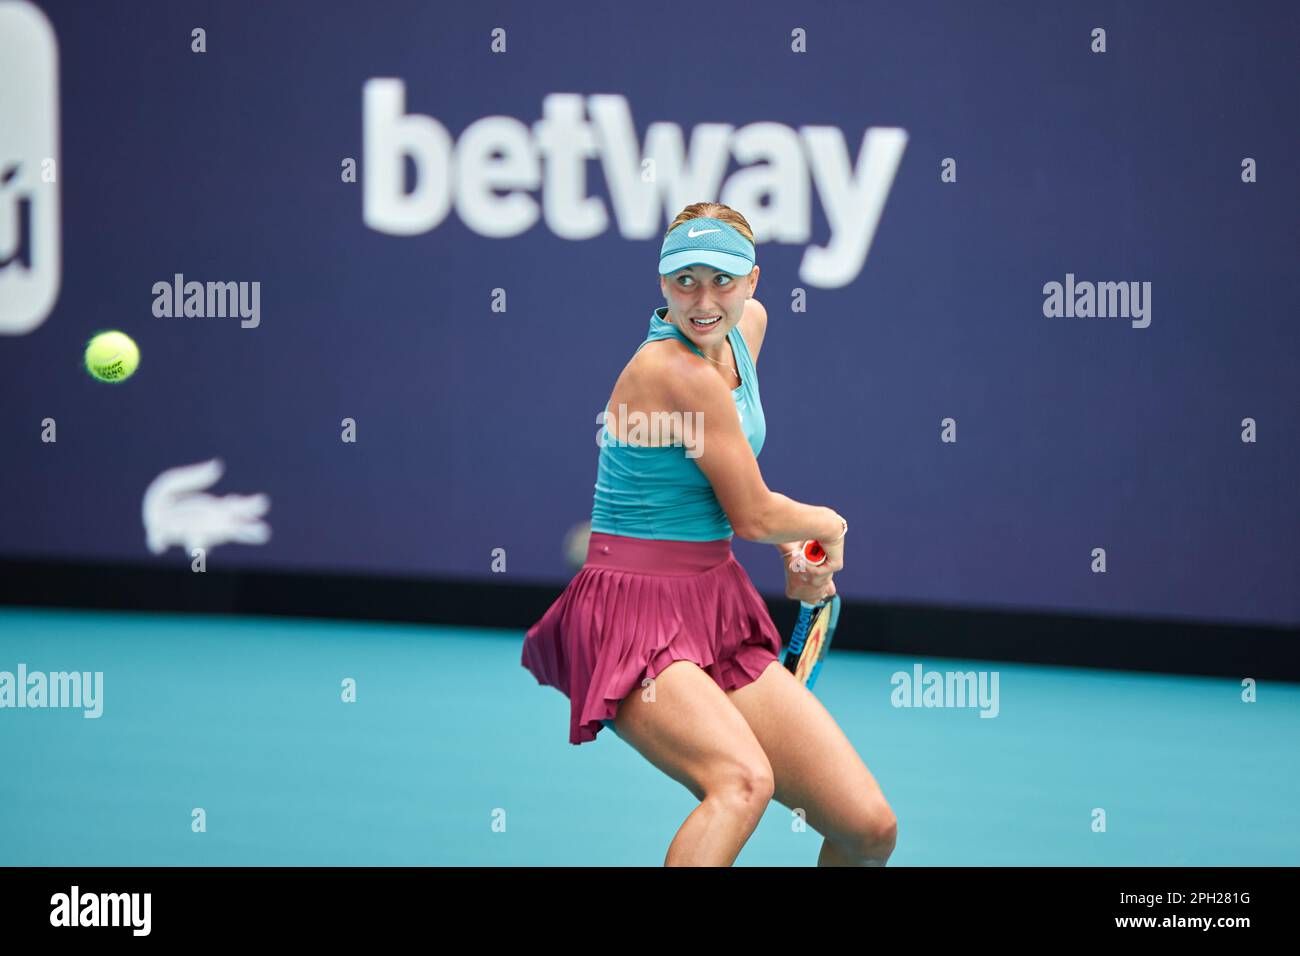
[(693, 733), (817, 769)]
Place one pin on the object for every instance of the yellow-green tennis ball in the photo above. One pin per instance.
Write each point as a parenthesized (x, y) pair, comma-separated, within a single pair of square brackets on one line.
[(112, 356)]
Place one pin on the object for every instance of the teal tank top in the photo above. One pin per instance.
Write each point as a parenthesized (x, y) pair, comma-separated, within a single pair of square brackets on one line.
[(661, 493)]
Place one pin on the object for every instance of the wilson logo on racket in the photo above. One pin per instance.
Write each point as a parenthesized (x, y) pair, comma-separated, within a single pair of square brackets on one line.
[(811, 638)]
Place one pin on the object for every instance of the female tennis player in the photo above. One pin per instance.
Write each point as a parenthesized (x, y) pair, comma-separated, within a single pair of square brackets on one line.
[(661, 634)]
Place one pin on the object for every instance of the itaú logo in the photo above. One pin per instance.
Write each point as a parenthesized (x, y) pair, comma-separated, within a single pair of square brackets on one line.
[(492, 171), (30, 268)]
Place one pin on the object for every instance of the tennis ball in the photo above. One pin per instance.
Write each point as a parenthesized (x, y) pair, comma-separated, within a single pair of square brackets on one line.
[(112, 356)]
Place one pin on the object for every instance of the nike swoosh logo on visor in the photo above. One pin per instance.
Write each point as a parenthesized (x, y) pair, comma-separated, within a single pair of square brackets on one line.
[(691, 233)]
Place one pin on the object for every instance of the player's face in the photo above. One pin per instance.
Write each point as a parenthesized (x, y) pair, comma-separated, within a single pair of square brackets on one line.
[(700, 292)]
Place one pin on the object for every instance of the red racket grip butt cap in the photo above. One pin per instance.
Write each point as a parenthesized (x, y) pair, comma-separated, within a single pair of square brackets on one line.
[(813, 553)]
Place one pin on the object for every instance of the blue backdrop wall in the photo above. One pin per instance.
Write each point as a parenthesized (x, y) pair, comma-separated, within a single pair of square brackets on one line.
[(1031, 157)]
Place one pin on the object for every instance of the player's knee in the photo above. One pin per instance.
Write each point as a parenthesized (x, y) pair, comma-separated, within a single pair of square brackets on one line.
[(876, 835), (746, 784), (886, 831)]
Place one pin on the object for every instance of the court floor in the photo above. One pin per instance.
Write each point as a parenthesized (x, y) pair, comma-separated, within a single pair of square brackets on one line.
[(453, 754)]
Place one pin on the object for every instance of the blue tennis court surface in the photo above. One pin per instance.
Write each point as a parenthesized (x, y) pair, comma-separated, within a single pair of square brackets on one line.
[(453, 754)]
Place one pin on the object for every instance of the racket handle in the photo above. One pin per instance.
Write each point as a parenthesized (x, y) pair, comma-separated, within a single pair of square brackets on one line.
[(811, 555)]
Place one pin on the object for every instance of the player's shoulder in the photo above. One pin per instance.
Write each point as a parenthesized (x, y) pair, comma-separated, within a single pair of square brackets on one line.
[(678, 375)]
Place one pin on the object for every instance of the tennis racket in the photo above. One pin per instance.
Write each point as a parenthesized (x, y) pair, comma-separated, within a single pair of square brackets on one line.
[(811, 638)]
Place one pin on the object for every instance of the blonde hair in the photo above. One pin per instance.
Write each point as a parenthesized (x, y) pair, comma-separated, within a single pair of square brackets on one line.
[(713, 210)]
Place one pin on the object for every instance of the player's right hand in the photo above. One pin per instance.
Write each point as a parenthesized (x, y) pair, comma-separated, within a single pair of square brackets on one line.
[(834, 556)]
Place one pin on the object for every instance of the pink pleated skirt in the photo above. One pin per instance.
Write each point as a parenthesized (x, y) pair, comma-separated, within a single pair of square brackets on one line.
[(636, 606)]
